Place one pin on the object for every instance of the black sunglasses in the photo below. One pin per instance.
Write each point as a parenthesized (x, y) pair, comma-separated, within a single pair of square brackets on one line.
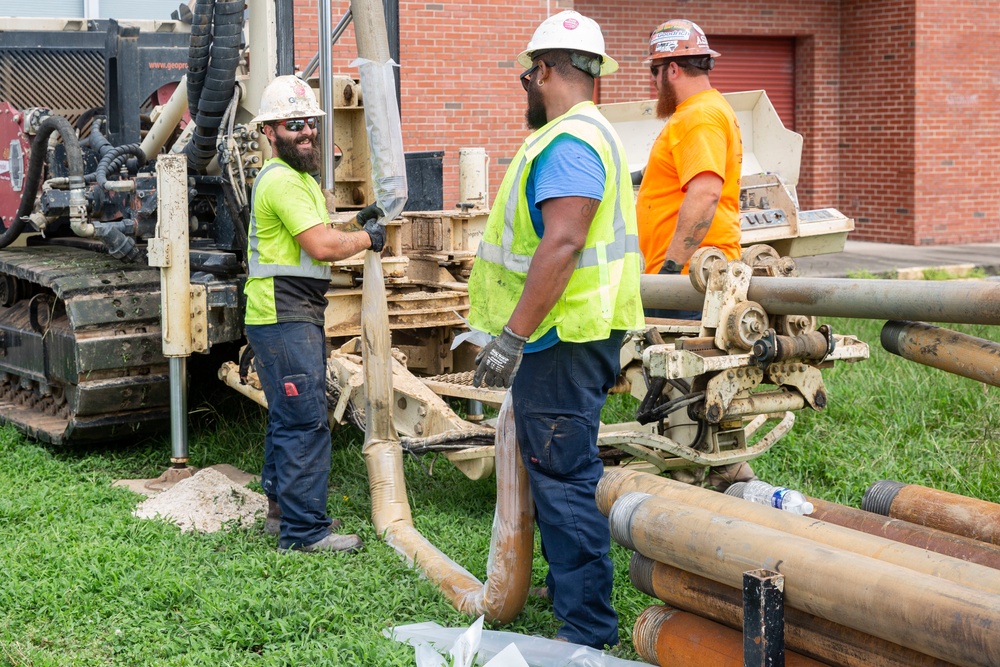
[(526, 76), (298, 124)]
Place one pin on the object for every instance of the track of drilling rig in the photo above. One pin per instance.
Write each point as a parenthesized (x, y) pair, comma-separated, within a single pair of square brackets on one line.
[(80, 353)]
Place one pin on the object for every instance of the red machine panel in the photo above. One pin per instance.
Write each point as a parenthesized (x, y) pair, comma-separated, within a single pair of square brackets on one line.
[(13, 161)]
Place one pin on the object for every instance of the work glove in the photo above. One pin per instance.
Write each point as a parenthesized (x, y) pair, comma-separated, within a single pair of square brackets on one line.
[(246, 358), (498, 361), (368, 219)]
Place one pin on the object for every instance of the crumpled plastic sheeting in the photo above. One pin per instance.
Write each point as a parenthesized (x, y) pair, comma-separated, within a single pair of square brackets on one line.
[(535, 651), (385, 135), (473, 335)]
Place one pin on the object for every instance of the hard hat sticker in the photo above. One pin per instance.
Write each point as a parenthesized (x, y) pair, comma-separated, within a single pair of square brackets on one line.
[(666, 47), (571, 24), (671, 33)]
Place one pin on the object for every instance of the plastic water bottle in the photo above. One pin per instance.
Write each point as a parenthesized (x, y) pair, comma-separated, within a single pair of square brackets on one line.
[(781, 497)]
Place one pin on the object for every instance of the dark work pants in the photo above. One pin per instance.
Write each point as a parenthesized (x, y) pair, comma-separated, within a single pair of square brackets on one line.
[(291, 363), (558, 394)]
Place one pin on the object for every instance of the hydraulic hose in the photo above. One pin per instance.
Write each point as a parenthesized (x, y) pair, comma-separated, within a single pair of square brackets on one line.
[(114, 159), (98, 143), (216, 91), (201, 42), (74, 158)]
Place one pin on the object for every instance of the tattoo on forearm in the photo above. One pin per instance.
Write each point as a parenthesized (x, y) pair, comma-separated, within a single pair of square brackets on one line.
[(697, 234)]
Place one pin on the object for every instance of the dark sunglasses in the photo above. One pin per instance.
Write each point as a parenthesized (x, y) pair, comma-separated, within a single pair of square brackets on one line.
[(526, 76), (655, 69), (298, 124)]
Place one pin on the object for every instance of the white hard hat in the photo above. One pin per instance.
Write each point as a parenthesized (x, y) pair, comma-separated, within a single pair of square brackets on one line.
[(569, 31), (287, 97)]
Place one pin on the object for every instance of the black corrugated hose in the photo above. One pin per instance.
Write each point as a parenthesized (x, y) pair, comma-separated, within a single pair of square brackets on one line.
[(201, 40), (219, 82), (115, 158)]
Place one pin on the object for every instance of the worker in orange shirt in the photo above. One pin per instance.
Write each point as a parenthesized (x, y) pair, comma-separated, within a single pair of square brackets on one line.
[(690, 192)]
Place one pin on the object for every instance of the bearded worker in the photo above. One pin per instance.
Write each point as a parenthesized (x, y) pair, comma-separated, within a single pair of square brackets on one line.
[(290, 246), (690, 192), (556, 280)]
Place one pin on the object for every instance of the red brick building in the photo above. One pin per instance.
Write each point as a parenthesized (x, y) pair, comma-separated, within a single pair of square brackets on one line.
[(897, 100)]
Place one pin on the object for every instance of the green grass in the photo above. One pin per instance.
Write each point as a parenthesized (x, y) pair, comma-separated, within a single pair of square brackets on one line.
[(85, 583)]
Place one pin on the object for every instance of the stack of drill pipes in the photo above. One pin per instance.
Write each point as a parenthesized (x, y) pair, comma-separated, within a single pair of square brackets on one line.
[(617, 482), (951, 512), (807, 634), (666, 636), (503, 595), (926, 613), (924, 537)]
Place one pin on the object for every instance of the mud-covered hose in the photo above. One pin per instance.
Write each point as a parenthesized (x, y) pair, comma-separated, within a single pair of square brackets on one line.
[(74, 158), (219, 82)]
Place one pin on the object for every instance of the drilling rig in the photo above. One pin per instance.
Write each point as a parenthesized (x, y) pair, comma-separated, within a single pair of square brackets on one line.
[(82, 309)]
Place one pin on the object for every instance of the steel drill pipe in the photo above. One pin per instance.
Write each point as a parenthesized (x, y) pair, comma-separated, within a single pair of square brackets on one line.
[(616, 483), (944, 349), (950, 512), (932, 539), (667, 636), (970, 302), (926, 613), (806, 634)]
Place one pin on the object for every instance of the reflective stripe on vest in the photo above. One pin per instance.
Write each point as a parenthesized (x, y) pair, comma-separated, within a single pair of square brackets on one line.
[(623, 242), (306, 268)]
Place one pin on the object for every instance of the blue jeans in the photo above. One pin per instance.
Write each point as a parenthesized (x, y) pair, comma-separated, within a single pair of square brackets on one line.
[(558, 394), (291, 364)]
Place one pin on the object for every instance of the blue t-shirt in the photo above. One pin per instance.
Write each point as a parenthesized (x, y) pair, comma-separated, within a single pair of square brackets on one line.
[(568, 167)]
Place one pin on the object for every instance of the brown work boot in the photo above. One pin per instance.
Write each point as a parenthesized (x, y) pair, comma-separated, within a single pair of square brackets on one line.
[(272, 523), (334, 542)]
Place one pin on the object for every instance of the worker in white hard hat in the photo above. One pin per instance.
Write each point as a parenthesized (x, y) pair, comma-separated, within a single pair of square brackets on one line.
[(689, 197), (556, 281), (690, 191), (291, 244)]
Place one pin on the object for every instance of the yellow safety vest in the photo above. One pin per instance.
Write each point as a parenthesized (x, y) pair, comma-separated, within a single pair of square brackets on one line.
[(603, 292)]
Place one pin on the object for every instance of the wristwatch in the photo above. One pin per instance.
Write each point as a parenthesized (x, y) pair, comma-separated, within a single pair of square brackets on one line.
[(670, 266)]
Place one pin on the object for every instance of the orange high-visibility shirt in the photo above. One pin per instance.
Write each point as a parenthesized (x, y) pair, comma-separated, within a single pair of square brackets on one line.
[(702, 135)]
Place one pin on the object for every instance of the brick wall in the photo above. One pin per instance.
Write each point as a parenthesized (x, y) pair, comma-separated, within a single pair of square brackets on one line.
[(878, 91), (900, 128), (817, 51), (458, 80), (957, 123)]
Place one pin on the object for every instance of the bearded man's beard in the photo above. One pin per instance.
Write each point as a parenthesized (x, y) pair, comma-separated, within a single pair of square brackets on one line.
[(535, 115), (290, 150), (666, 100)]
